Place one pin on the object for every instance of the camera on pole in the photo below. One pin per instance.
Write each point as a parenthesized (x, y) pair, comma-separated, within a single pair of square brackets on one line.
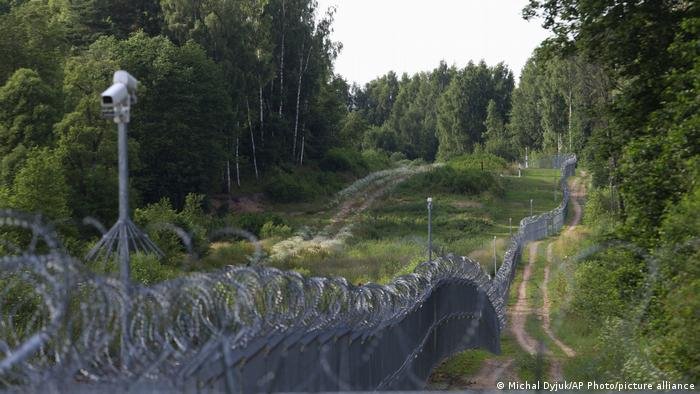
[(124, 236), (117, 99)]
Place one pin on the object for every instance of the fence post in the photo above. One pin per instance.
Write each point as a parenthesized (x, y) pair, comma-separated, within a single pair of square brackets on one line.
[(510, 227), (430, 229), (495, 263)]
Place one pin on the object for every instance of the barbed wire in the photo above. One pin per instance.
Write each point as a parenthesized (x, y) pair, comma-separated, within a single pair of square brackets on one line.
[(60, 322)]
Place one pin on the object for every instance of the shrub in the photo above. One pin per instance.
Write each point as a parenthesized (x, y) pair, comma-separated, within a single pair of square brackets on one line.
[(344, 160), (397, 156), (228, 253), (255, 221), (270, 229), (158, 217), (147, 270), (376, 159), (474, 162), (447, 179), (286, 188)]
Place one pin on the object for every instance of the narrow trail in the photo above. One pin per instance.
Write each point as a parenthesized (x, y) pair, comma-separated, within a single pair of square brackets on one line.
[(364, 198), (496, 370), (546, 320), (363, 193), (555, 365), (521, 310)]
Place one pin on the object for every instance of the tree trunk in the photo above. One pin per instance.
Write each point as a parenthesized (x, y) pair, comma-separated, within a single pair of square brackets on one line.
[(252, 141), (296, 118), (302, 69), (228, 176), (238, 168), (262, 129), (301, 159), (282, 61)]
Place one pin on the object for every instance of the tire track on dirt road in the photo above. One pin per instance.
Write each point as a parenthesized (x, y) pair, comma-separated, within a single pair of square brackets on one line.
[(556, 370)]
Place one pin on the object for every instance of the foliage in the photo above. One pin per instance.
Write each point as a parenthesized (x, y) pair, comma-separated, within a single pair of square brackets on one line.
[(40, 186), (377, 160), (288, 187), (447, 179), (254, 222), (148, 270), (483, 161), (31, 36), (344, 160), (162, 222), (560, 101), (28, 108), (462, 110), (645, 146), (270, 230)]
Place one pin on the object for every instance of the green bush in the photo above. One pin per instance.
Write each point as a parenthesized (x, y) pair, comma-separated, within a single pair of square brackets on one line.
[(255, 221), (376, 160), (286, 188), (304, 185), (397, 156), (344, 160), (474, 161), (158, 217), (147, 270), (447, 179), (270, 229), (228, 253)]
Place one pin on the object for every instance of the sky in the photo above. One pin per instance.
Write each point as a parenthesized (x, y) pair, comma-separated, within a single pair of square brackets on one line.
[(414, 35)]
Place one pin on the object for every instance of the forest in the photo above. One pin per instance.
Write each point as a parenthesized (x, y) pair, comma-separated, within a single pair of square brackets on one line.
[(240, 97)]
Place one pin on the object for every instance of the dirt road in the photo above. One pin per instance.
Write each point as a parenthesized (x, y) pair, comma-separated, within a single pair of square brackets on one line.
[(521, 310), (496, 369)]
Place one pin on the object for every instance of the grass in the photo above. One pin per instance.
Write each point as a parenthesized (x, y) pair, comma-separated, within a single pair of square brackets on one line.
[(534, 286), (462, 224), (361, 262), (566, 327), (455, 370), (390, 238)]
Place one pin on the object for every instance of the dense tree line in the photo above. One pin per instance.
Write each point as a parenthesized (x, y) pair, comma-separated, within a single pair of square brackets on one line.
[(640, 122), (436, 114), (229, 91), (240, 91)]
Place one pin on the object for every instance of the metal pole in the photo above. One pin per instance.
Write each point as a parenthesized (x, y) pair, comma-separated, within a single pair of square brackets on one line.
[(495, 264), (526, 160), (124, 269), (430, 229), (510, 226), (530, 207)]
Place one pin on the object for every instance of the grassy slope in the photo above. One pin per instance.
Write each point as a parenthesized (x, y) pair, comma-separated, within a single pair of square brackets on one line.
[(455, 371), (391, 237)]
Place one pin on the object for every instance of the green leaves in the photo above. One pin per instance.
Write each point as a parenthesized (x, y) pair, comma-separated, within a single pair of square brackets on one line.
[(28, 108), (40, 186), (462, 110)]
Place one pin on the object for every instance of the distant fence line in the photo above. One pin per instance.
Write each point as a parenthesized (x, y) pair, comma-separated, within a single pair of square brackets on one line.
[(245, 329)]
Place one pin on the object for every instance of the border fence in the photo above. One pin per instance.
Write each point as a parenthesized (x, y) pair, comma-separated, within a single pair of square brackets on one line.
[(243, 329)]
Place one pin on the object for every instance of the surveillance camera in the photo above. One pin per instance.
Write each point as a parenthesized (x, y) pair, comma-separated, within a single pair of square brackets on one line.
[(117, 94), (128, 80), (117, 99)]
